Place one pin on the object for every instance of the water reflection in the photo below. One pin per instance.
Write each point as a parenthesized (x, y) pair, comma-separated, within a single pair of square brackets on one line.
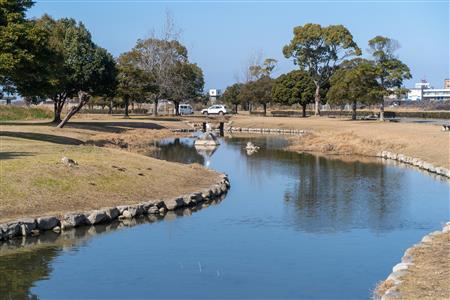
[(25, 260), (335, 226)]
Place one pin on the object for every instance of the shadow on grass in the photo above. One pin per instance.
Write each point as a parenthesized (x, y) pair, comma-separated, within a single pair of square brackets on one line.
[(13, 155), (42, 137), (113, 127)]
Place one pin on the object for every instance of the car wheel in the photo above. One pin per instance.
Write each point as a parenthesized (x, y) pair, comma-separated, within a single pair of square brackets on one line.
[(205, 113), (221, 113)]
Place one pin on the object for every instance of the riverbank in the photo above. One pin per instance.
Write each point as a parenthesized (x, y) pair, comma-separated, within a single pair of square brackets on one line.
[(417, 275), (369, 138), (36, 182)]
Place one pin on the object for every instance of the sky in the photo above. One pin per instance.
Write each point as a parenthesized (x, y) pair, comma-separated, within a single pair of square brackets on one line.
[(221, 36)]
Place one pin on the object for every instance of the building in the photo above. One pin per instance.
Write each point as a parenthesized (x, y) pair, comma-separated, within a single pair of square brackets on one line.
[(424, 91), (447, 83), (436, 95), (213, 95)]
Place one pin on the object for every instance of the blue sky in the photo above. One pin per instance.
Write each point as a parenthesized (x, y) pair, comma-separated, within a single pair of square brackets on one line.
[(222, 35)]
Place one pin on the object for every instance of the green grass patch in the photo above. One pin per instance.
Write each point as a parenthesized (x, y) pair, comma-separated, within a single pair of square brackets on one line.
[(17, 113)]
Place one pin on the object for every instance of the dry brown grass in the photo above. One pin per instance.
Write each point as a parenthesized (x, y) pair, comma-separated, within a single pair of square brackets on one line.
[(340, 136), (34, 182), (429, 276)]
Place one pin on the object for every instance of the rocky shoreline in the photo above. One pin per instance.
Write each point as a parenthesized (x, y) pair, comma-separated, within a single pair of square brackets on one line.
[(34, 226), (415, 162), (389, 287)]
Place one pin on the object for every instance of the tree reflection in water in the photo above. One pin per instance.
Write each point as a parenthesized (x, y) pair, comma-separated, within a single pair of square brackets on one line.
[(330, 193)]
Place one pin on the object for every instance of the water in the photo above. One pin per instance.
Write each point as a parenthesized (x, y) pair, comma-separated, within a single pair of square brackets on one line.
[(292, 226)]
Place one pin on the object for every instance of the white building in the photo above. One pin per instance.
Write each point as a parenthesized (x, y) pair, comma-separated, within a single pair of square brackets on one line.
[(213, 95), (424, 91)]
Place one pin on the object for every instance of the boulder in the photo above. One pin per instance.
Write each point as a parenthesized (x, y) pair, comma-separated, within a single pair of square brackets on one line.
[(153, 210), (68, 162), (73, 220), (173, 204), (47, 223), (26, 226), (10, 230), (96, 217), (112, 213)]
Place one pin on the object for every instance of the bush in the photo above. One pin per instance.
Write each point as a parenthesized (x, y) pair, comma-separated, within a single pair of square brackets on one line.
[(19, 113)]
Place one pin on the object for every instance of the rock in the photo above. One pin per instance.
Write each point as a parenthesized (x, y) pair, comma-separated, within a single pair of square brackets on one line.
[(57, 229), (26, 226), (153, 210), (196, 198), (112, 213), (162, 210), (35, 232), (68, 161), (426, 239), (47, 223), (174, 203), (96, 217), (10, 230), (73, 220), (122, 208), (401, 267)]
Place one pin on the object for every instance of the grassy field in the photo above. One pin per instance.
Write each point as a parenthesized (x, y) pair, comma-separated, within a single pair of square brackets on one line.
[(15, 113), (34, 182)]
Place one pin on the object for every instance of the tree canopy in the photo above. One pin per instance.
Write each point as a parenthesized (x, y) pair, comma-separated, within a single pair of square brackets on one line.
[(231, 95), (355, 81), (295, 87), (257, 92), (390, 70), (318, 50)]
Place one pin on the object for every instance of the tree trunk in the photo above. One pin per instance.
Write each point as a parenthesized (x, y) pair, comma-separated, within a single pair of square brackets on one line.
[(110, 106), (317, 101), (265, 108), (127, 103), (382, 110), (354, 110), (177, 107), (304, 110), (58, 104), (236, 108), (155, 108), (84, 98)]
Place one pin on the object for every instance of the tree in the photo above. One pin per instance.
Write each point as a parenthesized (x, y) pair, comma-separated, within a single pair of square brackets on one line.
[(265, 69), (295, 87), (134, 83), (259, 91), (92, 70), (390, 70), (355, 81), (159, 58), (318, 50), (231, 95), (187, 83), (15, 44)]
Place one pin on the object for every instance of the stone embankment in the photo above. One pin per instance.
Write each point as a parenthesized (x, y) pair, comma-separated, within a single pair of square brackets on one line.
[(33, 226), (389, 288), (267, 130), (415, 162)]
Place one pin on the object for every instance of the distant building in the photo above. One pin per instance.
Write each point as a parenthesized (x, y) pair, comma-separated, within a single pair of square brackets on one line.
[(446, 83), (436, 95), (213, 95), (424, 91)]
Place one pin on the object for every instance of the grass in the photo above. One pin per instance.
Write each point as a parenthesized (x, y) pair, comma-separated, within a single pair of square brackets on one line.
[(34, 182), (16, 113)]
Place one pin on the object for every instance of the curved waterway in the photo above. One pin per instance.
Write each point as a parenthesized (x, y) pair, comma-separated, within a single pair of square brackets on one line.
[(292, 226)]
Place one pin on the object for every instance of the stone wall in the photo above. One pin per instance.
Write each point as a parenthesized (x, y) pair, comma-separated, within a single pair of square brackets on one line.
[(33, 226)]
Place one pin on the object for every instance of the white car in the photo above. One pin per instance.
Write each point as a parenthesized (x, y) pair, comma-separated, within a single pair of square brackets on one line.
[(217, 109), (185, 109)]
